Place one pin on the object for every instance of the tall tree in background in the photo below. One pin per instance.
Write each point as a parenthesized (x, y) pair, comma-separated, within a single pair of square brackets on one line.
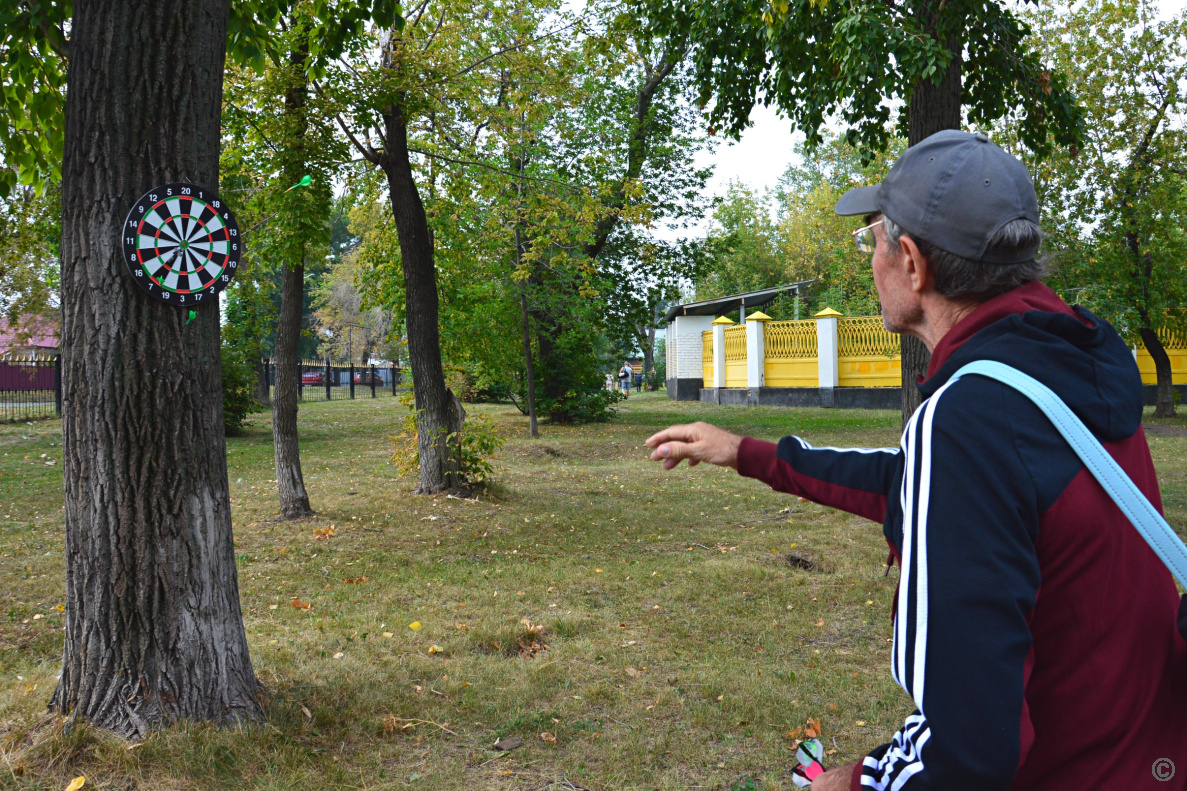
[(817, 60), (1117, 205), (422, 59), (280, 116), (153, 626)]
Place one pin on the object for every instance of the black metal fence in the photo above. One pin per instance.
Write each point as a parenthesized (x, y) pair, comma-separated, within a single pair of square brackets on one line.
[(30, 386), (31, 383), (324, 380)]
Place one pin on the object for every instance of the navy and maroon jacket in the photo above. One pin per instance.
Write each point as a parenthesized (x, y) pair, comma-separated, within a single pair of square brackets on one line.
[(1034, 628)]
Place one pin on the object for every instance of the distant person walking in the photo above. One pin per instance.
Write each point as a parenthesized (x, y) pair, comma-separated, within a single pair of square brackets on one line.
[(624, 377)]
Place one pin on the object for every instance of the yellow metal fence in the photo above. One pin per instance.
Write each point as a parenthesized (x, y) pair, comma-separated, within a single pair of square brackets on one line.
[(735, 356), (790, 354), (868, 355)]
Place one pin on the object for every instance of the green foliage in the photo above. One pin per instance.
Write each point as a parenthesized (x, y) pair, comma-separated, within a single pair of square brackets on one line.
[(1115, 209), (239, 387), (526, 161), (30, 231), (476, 445), (581, 405), (33, 52), (823, 60)]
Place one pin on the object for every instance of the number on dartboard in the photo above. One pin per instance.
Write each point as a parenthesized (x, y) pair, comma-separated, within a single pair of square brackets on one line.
[(181, 244)]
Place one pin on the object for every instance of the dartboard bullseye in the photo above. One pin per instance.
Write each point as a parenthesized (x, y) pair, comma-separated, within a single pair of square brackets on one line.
[(181, 244)]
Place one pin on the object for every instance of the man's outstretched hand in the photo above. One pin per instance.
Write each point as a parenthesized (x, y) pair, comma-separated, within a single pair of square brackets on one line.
[(696, 442)]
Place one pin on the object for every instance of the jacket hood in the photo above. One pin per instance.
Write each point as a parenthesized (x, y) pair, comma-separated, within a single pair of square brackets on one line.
[(1076, 354)]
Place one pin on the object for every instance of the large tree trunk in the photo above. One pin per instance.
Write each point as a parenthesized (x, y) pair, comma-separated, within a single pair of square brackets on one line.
[(290, 483), (932, 107), (263, 388), (153, 626), (529, 367), (439, 415), (1165, 405), (649, 356)]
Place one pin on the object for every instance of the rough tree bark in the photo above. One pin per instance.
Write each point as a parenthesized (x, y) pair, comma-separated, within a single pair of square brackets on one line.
[(931, 108), (1165, 405), (153, 626), (439, 413), (1131, 190), (649, 356), (520, 163), (290, 483)]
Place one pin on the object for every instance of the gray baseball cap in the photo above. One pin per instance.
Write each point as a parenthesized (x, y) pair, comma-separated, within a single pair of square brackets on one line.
[(953, 190)]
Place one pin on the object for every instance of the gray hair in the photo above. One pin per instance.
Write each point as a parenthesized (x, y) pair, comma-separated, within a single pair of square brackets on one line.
[(960, 278)]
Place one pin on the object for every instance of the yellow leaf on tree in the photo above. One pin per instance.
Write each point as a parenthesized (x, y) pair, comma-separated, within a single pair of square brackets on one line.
[(77, 783)]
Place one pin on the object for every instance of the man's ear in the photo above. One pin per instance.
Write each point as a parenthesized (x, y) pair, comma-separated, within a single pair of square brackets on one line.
[(916, 262)]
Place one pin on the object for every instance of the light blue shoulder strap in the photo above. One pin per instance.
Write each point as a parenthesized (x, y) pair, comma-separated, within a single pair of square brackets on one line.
[(1112, 478)]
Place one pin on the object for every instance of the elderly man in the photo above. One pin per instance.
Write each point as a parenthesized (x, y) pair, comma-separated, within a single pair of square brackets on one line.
[(1034, 628)]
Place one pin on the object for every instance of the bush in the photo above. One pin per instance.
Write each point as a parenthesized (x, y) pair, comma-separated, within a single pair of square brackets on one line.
[(239, 389), (592, 405), (479, 441)]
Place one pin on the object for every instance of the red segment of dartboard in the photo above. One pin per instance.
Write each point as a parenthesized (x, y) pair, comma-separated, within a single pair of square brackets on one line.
[(181, 244)]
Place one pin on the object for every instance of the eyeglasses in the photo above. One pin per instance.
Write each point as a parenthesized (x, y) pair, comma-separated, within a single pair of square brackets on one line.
[(864, 238)]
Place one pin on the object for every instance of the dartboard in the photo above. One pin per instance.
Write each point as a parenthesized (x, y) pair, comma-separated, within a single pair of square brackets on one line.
[(181, 244)]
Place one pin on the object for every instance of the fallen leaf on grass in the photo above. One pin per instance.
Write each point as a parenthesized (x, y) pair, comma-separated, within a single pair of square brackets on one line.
[(273, 606), (461, 627), (388, 634), (547, 738), (339, 655), (820, 622), (414, 625), (300, 605), (308, 714), (436, 649), (77, 783), (354, 581), (322, 533), (630, 671)]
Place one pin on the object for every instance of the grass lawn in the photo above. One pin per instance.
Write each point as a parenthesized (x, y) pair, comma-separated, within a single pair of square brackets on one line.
[(679, 645)]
